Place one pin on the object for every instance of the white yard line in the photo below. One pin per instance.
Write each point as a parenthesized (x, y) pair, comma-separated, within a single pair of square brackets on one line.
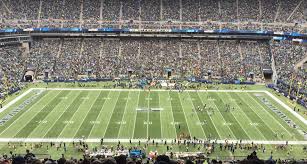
[(220, 114), (15, 100), (25, 113), (237, 120), (259, 117), (123, 115), (286, 107), (269, 114), (161, 131), (243, 113), (99, 114), (194, 111), (104, 133), (94, 89), (154, 90), (171, 110), (148, 113), (65, 126), (135, 116), (54, 122), (97, 140), (170, 103), (88, 111), (186, 120)]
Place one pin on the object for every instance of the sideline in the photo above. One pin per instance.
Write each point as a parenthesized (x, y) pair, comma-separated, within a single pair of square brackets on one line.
[(15, 100), (161, 141)]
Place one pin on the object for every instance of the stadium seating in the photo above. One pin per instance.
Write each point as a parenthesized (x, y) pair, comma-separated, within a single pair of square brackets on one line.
[(223, 60), (286, 15)]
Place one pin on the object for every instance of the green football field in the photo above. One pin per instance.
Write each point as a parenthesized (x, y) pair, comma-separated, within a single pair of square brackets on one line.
[(55, 114)]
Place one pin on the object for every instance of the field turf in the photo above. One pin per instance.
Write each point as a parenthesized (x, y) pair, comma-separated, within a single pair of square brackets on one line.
[(136, 114)]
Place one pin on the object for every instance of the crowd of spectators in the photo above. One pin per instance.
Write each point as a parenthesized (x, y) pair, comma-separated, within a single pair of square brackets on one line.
[(71, 58), (137, 153), (252, 14), (109, 58), (292, 79), (11, 68)]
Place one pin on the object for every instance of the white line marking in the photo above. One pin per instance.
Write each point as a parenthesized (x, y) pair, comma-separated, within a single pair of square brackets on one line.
[(156, 90), (218, 112), (195, 112), (26, 112), (171, 109), (88, 111), (99, 113), (237, 120), (160, 116), (135, 116), (104, 133), (148, 99), (269, 114), (97, 140), (15, 100), (287, 107), (128, 98), (71, 118), (246, 116), (186, 120), (54, 122)]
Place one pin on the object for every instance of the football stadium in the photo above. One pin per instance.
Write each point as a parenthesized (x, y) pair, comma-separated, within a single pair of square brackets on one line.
[(153, 81)]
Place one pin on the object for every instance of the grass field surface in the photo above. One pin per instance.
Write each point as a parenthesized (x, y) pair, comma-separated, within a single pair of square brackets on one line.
[(136, 114)]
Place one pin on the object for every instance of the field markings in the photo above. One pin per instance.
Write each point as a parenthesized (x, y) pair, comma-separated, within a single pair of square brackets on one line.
[(148, 99), (168, 112), (88, 111), (161, 90), (15, 100), (270, 115), (110, 140), (287, 107), (258, 116), (126, 130), (219, 113), (247, 118), (38, 128), (154, 128), (220, 136), (186, 120), (71, 119), (45, 112), (105, 116), (28, 112), (104, 133), (139, 123), (66, 116), (239, 123), (9, 123), (91, 117), (134, 120), (120, 128), (154, 90), (173, 116), (97, 119), (115, 123), (194, 111), (72, 100), (161, 131)]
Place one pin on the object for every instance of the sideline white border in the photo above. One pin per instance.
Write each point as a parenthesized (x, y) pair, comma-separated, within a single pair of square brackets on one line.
[(15, 100), (145, 140), (161, 141)]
